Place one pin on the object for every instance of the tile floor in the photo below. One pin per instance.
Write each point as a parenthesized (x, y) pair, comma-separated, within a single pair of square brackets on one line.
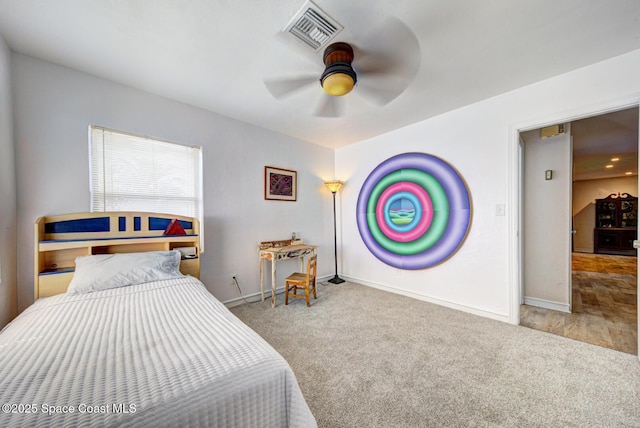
[(604, 302)]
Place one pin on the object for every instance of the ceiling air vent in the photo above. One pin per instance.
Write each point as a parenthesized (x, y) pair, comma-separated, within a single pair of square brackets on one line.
[(313, 27)]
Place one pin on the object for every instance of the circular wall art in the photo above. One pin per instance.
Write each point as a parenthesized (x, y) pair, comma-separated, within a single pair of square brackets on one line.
[(413, 211)]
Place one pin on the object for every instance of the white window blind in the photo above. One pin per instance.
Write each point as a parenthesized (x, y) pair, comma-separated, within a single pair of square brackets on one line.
[(135, 173)]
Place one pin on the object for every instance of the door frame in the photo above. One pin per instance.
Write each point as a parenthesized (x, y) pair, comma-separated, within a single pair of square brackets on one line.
[(515, 200)]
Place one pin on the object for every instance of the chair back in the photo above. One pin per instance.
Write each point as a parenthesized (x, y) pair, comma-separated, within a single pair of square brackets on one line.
[(311, 269)]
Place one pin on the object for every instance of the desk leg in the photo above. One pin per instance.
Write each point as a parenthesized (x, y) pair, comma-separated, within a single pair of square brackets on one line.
[(262, 278), (273, 283), (302, 270)]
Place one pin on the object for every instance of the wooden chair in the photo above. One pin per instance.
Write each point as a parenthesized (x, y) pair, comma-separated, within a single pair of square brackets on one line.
[(303, 281)]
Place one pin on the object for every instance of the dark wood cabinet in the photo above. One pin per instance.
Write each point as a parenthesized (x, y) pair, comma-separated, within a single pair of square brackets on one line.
[(616, 224)]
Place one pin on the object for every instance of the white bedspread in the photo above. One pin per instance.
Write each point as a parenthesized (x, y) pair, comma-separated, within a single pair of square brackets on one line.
[(158, 354)]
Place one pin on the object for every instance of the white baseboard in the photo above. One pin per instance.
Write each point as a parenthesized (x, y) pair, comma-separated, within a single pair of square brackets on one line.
[(251, 298), (583, 250), (546, 304), (451, 305), (255, 297)]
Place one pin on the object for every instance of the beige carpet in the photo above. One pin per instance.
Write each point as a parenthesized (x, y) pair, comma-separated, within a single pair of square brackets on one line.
[(367, 358)]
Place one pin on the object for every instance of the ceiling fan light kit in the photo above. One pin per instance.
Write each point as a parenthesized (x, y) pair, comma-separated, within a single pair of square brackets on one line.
[(338, 78)]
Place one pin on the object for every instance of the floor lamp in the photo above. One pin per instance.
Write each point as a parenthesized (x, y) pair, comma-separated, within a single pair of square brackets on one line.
[(334, 186)]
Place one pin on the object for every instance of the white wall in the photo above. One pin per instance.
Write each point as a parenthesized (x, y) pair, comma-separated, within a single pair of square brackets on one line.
[(8, 275), (547, 220), (480, 141), (53, 108), (585, 193)]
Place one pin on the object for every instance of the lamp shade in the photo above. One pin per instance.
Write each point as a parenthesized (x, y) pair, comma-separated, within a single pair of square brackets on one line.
[(333, 185), (338, 84), (338, 77)]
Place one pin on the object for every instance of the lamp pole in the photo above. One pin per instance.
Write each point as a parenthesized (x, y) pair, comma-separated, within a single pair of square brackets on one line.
[(336, 279)]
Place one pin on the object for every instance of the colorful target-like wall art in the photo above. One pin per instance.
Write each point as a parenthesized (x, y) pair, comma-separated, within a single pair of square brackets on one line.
[(413, 211)]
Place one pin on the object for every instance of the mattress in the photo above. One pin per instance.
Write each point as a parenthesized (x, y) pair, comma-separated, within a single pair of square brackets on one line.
[(165, 353)]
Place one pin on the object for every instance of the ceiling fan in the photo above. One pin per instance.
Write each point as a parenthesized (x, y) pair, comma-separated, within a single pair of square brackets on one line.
[(378, 68)]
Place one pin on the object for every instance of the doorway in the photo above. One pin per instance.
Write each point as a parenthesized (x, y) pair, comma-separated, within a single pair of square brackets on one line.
[(600, 305)]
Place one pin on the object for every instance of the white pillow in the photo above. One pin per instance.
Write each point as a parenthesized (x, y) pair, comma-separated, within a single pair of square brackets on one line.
[(104, 271)]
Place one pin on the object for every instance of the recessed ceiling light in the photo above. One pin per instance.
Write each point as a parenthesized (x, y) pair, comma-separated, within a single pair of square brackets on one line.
[(608, 166), (615, 159)]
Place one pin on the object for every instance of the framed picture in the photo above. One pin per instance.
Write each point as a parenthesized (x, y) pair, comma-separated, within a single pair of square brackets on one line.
[(280, 184)]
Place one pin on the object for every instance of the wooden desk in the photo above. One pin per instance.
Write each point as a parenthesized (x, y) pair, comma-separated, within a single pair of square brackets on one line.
[(281, 253)]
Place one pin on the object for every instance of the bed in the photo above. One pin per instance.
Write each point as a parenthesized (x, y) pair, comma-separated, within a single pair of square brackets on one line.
[(162, 352)]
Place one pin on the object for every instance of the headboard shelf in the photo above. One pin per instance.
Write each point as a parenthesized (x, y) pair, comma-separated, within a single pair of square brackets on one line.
[(177, 237), (55, 271), (60, 239), (59, 244)]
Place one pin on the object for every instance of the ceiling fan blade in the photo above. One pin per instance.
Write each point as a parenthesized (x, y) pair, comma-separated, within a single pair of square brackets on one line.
[(380, 94), (388, 59), (330, 106), (282, 88)]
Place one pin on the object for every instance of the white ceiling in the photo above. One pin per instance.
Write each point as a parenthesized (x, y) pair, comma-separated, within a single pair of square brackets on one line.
[(215, 54), (597, 140)]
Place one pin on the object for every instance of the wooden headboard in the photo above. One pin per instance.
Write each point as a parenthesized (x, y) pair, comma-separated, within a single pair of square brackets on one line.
[(60, 239)]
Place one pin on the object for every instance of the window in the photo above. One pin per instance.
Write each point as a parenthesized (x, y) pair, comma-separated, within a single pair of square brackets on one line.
[(135, 173)]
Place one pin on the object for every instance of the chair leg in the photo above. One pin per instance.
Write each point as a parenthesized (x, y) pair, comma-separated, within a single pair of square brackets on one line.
[(315, 296), (306, 295), (286, 293)]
